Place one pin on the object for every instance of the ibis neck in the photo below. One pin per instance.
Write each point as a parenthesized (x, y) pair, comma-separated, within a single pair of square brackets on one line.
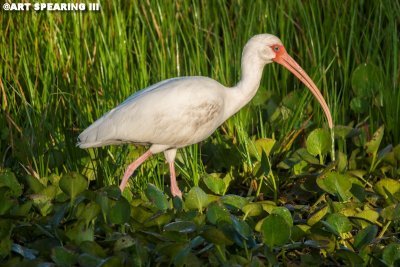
[(246, 88)]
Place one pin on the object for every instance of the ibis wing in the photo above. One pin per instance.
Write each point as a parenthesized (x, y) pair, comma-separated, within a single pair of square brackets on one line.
[(176, 112)]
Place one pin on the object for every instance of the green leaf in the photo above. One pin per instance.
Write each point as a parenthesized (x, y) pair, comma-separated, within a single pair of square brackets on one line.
[(267, 205), (120, 212), (370, 215), (260, 145), (92, 248), (373, 145), (63, 257), (318, 142), (89, 213), (275, 230), (391, 254), (182, 227), (215, 184), (43, 203), (365, 236), (88, 260), (340, 223), (387, 187), (350, 257), (73, 184), (317, 215), (34, 184), (252, 209), (391, 212), (196, 199), (80, 233), (343, 131), (234, 201), (217, 213), (284, 213), (216, 236), (8, 179), (6, 204), (359, 105), (157, 197), (123, 242), (365, 80), (336, 184)]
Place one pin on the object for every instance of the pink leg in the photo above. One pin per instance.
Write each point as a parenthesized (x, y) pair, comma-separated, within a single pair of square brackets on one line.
[(132, 167), (175, 191)]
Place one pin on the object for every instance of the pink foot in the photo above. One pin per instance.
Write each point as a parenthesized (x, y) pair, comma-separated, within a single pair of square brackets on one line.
[(175, 191), (132, 167)]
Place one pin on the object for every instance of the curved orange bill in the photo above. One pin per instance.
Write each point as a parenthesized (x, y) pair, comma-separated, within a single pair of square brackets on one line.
[(283, 58)]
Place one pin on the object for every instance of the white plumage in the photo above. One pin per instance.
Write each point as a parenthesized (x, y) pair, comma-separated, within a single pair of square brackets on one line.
[(182, 111)]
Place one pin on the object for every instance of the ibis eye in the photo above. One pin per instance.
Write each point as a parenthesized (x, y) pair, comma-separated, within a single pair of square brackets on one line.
[(276, 48)]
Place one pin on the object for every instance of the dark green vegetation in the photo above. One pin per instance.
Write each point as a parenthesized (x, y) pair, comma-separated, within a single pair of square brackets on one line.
[(263, 190)]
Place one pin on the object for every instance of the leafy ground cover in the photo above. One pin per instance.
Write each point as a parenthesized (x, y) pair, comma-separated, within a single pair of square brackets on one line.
[(263, 190)]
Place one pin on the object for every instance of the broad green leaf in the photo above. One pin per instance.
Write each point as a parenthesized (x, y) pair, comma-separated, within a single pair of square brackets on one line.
[(391, 254), (242, 228), (234, 201), (73, 184), (140, 214), (340, 223), (343, 131), (318, 142), (120, 212), (157, 197), (359, 105), (8, 179), (34, 184), (22, 210), (43, 203), (90, 212), (306, 156), (182, 227), (216, 236), (182, 256), (215, 184), (284, 213), (370, 215), (63, 257), (217, 213), (92, 248), (6, 203), (391, 212), (350, 257), (123, 242), (366, 79), (387, 186), (267, 205), (196, 199), (299, 231), (260, 145), (317, 215), (275, 230), (88, 260), (365, 236), (336, 184), (252, 209), (372, 146), (80, 233)]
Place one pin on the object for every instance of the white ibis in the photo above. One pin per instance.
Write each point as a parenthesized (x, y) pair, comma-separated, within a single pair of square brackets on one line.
[(182, 111)]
